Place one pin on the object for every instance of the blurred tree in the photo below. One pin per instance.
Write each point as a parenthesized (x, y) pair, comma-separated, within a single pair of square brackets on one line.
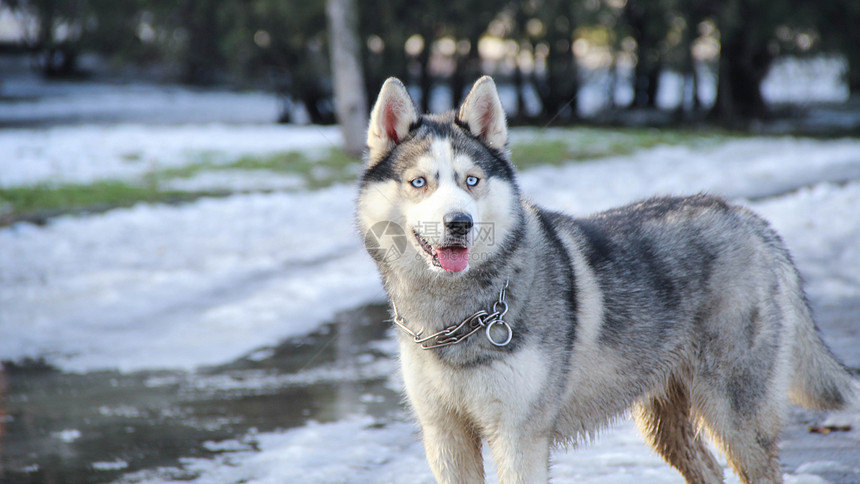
[(837, 24), (467, 21), (350, 100), (648, 22), (519, 34), (426, 18), (128, 32), (692, 13), (384, 36), (749, 42), (390, 24), (744, 56), (56, 41), (609, 19), (558, 88), (204, 29), (288, 41)]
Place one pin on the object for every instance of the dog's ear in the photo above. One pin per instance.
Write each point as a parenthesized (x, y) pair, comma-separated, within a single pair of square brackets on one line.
[(390, 120), (482, 112)]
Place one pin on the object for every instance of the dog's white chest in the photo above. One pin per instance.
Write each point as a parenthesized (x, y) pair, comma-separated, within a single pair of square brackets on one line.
[(486, 391)]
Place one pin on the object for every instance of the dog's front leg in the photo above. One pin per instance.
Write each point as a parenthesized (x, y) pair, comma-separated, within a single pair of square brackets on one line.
[(453, 449), (521, 456)]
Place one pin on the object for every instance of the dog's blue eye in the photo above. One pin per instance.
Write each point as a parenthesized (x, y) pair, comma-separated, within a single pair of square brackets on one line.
[(472, 180), (419, 182)]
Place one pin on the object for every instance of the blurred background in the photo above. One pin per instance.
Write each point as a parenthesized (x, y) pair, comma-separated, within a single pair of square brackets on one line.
[(184, 295), (561, 60)]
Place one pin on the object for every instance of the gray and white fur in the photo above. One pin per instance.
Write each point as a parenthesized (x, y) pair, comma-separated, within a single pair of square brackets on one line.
[(687, 313)]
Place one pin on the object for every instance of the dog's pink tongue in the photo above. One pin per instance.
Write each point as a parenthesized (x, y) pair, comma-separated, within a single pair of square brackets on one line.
[(453, 259)]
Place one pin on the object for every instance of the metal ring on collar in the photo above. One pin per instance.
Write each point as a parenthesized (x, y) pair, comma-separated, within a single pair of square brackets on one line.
[(506, 327), (500, 307)]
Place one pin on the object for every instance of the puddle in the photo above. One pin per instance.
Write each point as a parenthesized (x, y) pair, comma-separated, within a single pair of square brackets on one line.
[(96, 427)]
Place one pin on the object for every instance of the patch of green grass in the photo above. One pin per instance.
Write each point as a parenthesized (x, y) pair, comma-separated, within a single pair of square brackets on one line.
[(329, 167), (540, 152), (45, 200), (559, 146), (334, 166), (21, 202), (132, 157)]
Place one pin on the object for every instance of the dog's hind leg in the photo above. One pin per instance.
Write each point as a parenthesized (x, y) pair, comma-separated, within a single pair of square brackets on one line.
[(743, 413), (665, 421), (740, 390), (750, 447)]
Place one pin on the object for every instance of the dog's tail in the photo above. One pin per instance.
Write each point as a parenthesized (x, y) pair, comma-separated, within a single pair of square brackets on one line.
[(820, 381)]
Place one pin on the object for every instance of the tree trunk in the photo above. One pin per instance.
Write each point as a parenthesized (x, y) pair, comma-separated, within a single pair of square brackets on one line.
[(202, 57), (646, 74), (690, 104), (853, 75), (468, 69), (518, 85), (458, 81), (558, 88), (558, 93), (425, 81), (744, 62), (653, 85), (742, 69), (696, 12), (347, 73), (565, 86), (46, 38)]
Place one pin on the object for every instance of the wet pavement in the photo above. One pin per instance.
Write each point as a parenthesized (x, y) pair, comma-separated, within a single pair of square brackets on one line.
[(98, 427), (833, 455)]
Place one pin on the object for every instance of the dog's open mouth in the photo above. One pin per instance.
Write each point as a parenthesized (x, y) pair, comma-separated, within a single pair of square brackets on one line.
[(452, 258)]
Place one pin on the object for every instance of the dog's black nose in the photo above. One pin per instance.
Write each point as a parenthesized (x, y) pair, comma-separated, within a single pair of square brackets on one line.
[(458, 223)]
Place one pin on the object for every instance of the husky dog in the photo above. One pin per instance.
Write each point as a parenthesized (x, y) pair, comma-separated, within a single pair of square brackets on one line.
[(529, 328)]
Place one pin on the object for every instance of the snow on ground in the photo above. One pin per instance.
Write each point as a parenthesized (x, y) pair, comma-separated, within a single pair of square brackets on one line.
[(40, 101), (359, 451), (83, 154), (234, 181), (207, 282), (183, 286)]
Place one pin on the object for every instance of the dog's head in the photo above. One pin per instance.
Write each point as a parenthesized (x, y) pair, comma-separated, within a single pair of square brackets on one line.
[(438, 192)]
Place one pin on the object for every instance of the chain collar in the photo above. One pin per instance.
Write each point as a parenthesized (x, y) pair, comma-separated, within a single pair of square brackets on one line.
[(456, 333)]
